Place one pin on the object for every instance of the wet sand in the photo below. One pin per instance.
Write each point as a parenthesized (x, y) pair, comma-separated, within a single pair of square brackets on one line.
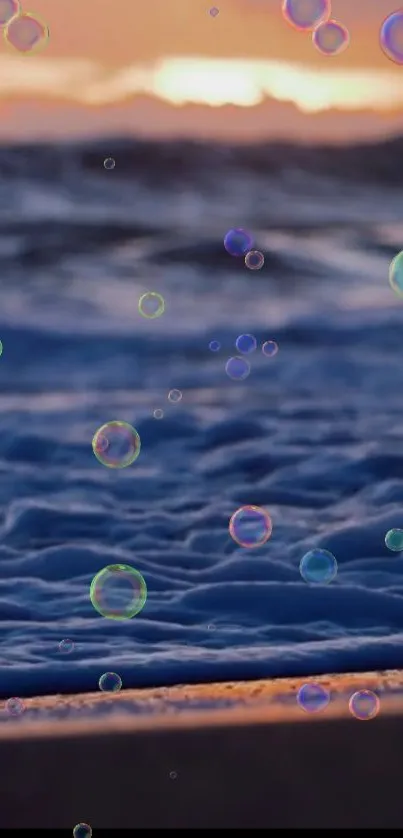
[(260, 763)]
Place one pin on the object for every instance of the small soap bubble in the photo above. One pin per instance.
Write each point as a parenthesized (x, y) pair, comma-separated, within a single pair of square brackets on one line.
[(1, 348), (305, 15), (364, 705), (237, 368), (250, 526), (318, 567), (15, 706), (116, 444), (175, 396), (8, 10), (237, 242), (254, 260), (158, 413), (270, 348), (391, 37), (394, 540), (110, 682), (173, 775), (214, 11), (26, 33), (151, 305), (118, 592), (312, 697), (109, 163), (214, 346), (246, 344), (66, 646), (82, 830), (331, 38), (396, 272)]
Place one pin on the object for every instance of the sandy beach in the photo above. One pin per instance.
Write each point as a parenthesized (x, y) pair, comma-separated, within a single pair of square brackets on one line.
[(260, 762)]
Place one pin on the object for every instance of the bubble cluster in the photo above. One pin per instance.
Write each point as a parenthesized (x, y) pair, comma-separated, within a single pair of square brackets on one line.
[(175, 396), (396, 274), (214, 346), (27, 33), (110, 682), (394, 540), (82, 830), (318, 567), (331, 38), (364, 705), (270, 348), (151, 305), (237, 242), (250, 526), (158, 413), (8, 10), (391, 37), (313, 697), (254, 260), (109, 163), (118, 592), (305, 15), (116, 444), (66, 646), (237, 368), (15, 706), (245, 344)]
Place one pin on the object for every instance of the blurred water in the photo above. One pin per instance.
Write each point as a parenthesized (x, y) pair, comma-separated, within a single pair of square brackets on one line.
[(314, 434)]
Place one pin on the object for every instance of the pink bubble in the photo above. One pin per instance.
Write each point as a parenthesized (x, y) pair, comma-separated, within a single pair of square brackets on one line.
[(214, 11), (305, 15), (26, 33), (331, 38), (8, 10), (391, 37)]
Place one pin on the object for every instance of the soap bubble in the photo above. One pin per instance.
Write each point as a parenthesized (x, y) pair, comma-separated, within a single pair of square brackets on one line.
[(109, 163), (394, 540), (250, 526), (318, 567), (214, 11), (82, 830), (364, 705), (158, 413), (110, 682), (8, 10), (331, 38), (118, 592), (173, 775), (396, 274), (175, 396), (26, 33), (246, 344), (305, 15), (116, 444), (15, 706), (270, 348), (312, 697), (254, 260), (237, 242), (1, 348), (66, 646), (391, 37), (214, 346), (237, 368), (151, 305)]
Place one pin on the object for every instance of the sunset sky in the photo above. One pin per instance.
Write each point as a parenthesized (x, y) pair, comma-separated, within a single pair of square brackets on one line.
[(166, 67)]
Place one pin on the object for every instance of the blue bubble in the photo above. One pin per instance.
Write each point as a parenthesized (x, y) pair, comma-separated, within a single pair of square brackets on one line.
[(270, 348), (364, 705), (319, 567), (246, 344), (214, 346), (110, 682), (396, 274), (394, 540), (313, 697), (237, 242), (66, 646), (237, 368)]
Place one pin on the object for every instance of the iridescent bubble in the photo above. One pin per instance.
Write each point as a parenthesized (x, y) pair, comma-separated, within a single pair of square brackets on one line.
[(246, 344), (394, 540), (151, 305), (364, 705), (110, 682), (331, 38), (312, 697), (254, 260), (237, 242), (158, 413), (118, 592), (82, 830), (270, 348), (237, 368), (391, 37), (1, 348), (66, 646), (214, 11), (250, 526), (396, 274), (27, 33), (175, 396), (305, 15), (214, 346), (116, 444), (8, 10), (15, 706), (109, 163), (318, 567)]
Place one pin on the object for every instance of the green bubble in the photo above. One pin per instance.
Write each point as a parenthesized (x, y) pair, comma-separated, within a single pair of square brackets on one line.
[(151, 305), (1, 348), (118, 592), (396, 274), (394, 540)]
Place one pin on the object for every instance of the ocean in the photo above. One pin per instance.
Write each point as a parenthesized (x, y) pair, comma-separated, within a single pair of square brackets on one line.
[(314, 435)]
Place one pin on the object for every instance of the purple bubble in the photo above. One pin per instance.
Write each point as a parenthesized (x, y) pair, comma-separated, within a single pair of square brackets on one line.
[(391, 37), (238, 242)]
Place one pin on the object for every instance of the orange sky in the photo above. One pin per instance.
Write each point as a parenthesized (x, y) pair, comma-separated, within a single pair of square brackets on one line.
[(167, 67)]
